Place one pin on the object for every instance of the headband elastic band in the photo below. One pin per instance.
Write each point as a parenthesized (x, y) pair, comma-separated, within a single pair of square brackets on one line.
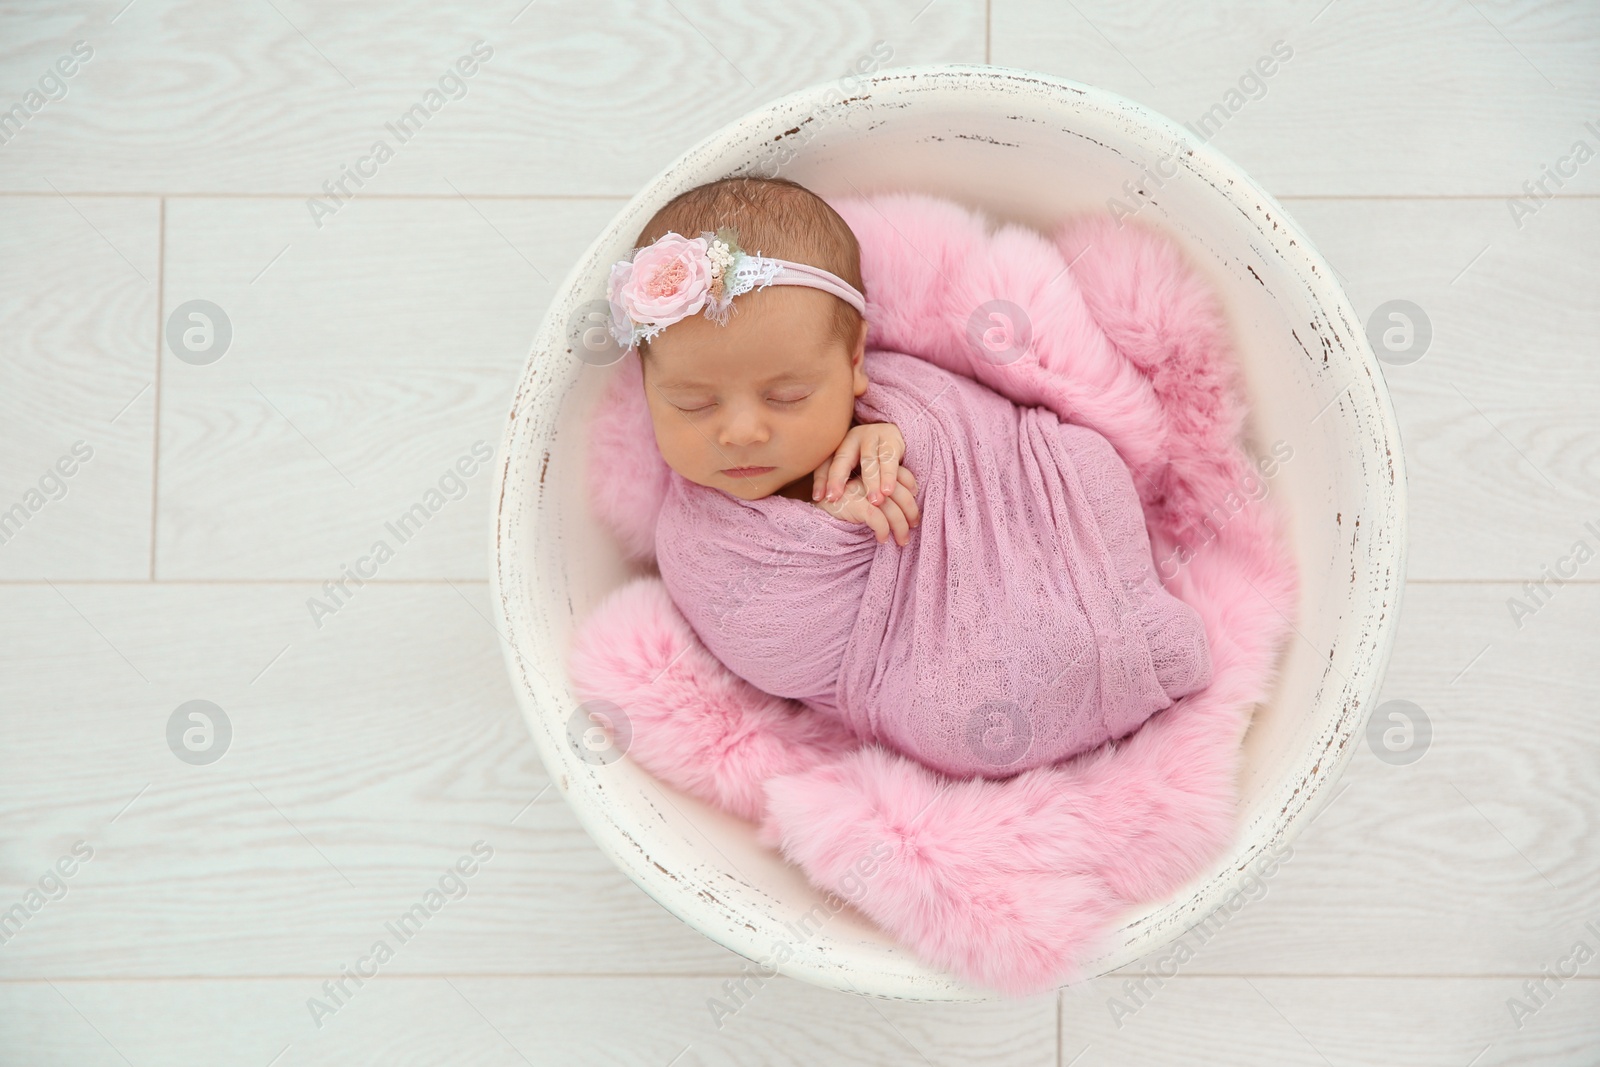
[(817, 278)]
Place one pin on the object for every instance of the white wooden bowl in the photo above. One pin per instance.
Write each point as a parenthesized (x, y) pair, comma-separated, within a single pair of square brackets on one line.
[(1032, 149)]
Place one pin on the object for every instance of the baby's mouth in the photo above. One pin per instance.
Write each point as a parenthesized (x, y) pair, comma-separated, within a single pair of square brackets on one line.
[(747, 472)]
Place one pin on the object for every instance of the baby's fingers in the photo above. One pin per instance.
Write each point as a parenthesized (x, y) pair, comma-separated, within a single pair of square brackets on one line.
[(907, 504), (897, 522), (844, 461), (851, 506), (880, 469), (875, 518)]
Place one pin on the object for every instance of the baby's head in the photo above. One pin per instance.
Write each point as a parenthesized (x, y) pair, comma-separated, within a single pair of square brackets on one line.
[(775, 386)]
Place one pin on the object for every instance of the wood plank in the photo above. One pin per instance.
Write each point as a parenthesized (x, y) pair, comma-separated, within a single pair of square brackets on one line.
[(571, 101), (78, 305), (1373, 100), (366, 361), (606, 1021), (1494, 417), (1448, 1022)]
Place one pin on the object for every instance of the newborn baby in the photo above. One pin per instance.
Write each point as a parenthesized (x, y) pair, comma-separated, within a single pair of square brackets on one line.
[(1016, 619)]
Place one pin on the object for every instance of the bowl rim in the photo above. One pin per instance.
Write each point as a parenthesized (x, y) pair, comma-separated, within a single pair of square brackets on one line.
[(1311, 772)]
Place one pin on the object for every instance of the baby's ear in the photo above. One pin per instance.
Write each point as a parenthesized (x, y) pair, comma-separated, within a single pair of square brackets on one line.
[(858, 361), (859, 380)]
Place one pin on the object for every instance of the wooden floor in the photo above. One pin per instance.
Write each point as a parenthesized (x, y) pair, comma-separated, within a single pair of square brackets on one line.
[(1426, 917)]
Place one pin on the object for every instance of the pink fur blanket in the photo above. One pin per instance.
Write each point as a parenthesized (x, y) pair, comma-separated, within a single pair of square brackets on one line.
[(1006, 883), (1020, 625)]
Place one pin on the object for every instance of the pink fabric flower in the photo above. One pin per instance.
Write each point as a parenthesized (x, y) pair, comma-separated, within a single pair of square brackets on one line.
[(621, 325), (666, 281)]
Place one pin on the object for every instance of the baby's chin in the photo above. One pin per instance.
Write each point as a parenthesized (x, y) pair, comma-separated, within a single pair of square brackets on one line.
[(751, 488), (762, 485)]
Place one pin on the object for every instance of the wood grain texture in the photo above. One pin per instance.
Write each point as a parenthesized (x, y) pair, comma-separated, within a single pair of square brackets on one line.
[(78, 307), (603, 1021), (1320, 1021), (1425, 99), (275, 98), (366, 360)]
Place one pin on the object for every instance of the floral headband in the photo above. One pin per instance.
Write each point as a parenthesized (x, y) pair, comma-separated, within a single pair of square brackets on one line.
[(676, 276)]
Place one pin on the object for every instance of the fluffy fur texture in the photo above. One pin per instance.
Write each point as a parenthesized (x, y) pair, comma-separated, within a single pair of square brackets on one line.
[(695, 723), (1009, 883), (627, 493)]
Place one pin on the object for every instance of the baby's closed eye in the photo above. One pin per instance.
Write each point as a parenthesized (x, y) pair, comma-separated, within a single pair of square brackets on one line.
[(691, 407)]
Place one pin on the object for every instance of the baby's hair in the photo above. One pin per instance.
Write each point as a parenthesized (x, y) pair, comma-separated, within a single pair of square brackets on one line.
[(773, 217)]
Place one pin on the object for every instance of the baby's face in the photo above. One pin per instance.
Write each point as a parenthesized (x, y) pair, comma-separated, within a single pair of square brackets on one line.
[(773, 390)]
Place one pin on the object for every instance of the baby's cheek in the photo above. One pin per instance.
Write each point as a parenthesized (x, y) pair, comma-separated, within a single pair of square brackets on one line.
[(681, 455)]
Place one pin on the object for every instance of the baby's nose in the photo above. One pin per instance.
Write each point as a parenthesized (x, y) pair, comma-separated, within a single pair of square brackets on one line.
[(744, 428)]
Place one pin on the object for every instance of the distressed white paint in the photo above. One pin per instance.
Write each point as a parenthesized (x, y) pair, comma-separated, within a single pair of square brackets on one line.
[(1032, 149)]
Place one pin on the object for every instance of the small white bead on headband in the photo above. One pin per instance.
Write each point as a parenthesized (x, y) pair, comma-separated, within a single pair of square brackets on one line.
[(676, 276)]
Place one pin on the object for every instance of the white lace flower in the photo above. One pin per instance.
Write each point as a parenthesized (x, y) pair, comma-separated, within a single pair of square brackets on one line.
[(720, 255)]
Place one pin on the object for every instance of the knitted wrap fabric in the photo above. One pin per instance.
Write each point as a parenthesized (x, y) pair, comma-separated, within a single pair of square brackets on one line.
[(1021, 625)]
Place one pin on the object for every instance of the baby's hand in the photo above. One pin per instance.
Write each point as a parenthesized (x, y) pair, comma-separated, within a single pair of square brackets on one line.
[(878, 447), (898, 513)]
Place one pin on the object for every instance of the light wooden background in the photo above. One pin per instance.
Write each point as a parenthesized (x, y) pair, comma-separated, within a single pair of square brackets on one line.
[(368, 354)]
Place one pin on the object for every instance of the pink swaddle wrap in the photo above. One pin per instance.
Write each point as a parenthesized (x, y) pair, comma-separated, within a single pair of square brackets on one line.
[(1021, 625)]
